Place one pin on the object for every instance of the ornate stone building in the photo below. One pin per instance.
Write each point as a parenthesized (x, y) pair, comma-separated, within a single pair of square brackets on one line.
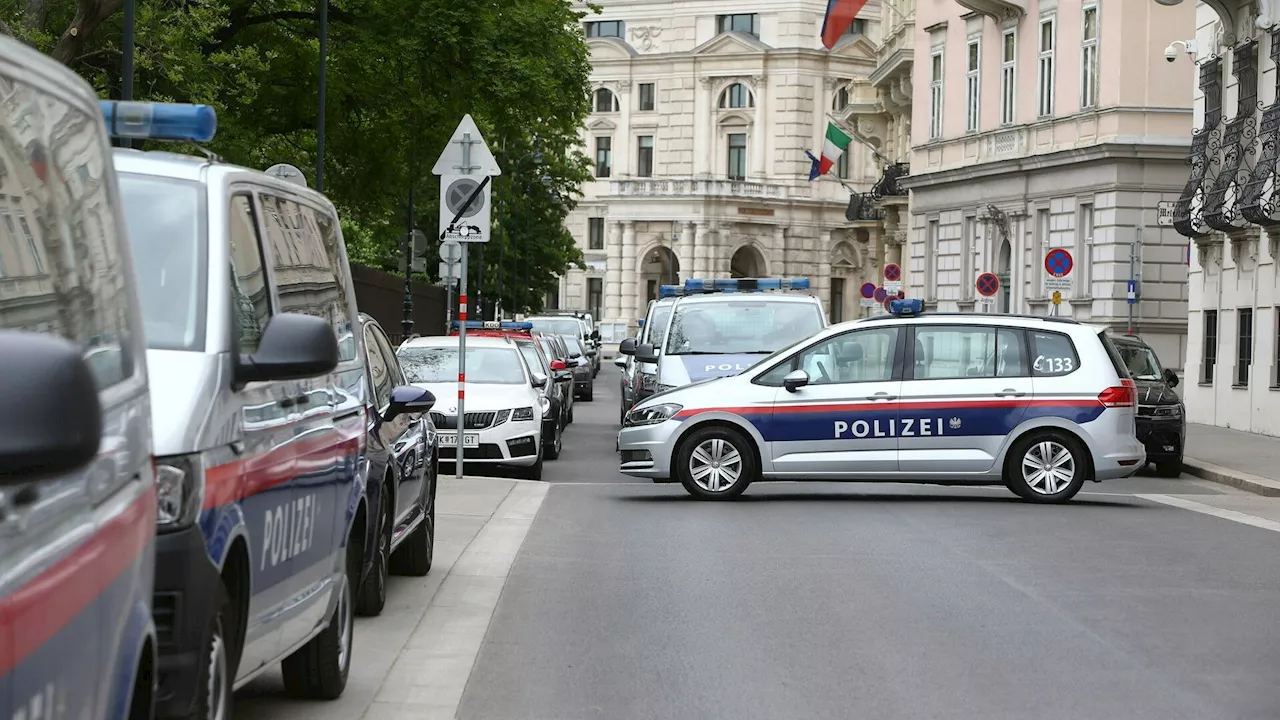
[(702, 113)]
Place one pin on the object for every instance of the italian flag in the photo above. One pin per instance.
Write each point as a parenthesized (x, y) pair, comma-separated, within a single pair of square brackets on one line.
[(837, 143)]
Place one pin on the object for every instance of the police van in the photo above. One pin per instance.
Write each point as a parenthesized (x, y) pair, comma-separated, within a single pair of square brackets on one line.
[(721, 327), (640, 379), (255, 357), (77, 488), (1037, 404)]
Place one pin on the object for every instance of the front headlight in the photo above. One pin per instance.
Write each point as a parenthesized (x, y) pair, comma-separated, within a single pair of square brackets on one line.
[(651, 415), (523, 414), (179, 491), (648, 382), (545, 403)]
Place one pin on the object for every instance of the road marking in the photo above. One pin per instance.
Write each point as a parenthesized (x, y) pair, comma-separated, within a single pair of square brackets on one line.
[(1231, 515), (428, 678)]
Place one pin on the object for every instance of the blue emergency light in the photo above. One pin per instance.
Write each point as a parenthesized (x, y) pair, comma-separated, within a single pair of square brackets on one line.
[(734, 285), (493, 325), (159, 121), (666, 291), (906, 306)]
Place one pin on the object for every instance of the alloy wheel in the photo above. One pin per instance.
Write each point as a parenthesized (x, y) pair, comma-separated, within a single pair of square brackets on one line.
[(1048, 467), (715, 465)]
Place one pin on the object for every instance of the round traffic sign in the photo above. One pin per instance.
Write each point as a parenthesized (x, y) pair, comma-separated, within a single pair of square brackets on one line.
[(457, 195), (1058, 262), (868, 290), (902, 294), (451, 252), (988, 284), (892, 272), (880, 294)]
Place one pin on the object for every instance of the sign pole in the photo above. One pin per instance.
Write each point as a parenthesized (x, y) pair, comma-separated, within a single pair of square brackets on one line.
[(462, 360)]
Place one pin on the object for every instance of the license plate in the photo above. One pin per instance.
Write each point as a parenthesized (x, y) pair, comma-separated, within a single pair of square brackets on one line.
[(451, 440)]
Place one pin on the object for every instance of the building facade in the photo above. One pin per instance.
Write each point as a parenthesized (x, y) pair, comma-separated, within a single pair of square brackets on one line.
[(1044, 124), (701, 117), (1228, 210)]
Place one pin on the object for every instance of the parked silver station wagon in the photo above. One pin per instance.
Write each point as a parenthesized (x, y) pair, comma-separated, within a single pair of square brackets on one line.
[(1037, 404)]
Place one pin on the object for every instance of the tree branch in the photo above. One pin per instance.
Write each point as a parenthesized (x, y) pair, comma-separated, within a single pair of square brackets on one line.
[(89, 15)]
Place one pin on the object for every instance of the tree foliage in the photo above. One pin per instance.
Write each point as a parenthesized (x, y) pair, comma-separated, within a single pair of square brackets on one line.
[(400, 76)]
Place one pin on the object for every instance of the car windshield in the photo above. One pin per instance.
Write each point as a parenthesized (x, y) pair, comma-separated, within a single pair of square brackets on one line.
[(1141, 361), (557, 326), (727, 327), (166, 230), (656, 325), (485, 365)]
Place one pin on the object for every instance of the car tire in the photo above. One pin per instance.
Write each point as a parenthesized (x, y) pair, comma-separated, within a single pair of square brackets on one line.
[(319, 669), (570, 412), (622, 413), (373, 590), (1169, 468), (534, 471), (1036, 451), (416, 553), (552, 451), (721, 451), (590, 393), (217, 677)]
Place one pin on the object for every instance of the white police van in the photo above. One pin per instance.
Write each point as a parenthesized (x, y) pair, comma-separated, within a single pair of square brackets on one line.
[(77, 488), (261, 435), (640, 379), (721, 327), (1037, 404)]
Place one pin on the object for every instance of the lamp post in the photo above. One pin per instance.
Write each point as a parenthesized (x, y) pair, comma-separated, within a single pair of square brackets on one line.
[(324, 69)]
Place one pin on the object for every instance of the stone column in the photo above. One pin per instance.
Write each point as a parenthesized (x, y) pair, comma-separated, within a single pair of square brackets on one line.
[(761, 131), (702, 141), (622, 150), (687, 235), (702, 243), (629, 271), (782, 268), (613, 273), (823, 289)]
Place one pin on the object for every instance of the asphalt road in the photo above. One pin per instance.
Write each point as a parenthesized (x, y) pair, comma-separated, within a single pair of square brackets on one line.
[(628, 600)]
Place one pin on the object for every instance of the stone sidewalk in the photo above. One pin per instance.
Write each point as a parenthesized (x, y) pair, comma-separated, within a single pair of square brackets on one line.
[(1243, 460)]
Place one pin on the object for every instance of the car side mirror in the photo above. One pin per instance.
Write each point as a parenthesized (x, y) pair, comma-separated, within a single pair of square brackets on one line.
[(591, 353), (557, 365), (564, 375), (54, 423), (627, 346), (795, 380), (1170, 378), (539, 380), (293, 346), (595, 334), (647, 353), (620, 361), (407, 399)]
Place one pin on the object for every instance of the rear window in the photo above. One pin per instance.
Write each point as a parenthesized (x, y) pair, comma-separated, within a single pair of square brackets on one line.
[(1054, 353), (1117, 360)]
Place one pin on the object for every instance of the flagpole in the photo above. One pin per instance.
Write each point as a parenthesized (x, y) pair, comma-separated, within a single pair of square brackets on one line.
[(862, 142)]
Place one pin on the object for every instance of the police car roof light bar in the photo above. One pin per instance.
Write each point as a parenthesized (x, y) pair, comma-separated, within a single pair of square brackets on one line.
[(731, 285), (666, 291), (493, 325), (906, 306), (159, 121)]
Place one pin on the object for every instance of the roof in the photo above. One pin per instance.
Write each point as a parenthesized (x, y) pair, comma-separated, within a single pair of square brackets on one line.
[(436, 341), (1006, 319), (204, 170), (769, 296)]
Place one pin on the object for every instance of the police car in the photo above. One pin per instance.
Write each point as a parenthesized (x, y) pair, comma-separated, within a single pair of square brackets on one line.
[(505, 405), (640, 379), (721, 327), (1037, 404)]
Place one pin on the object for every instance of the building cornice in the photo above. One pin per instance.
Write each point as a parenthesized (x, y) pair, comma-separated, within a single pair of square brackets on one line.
[(1121, 149)]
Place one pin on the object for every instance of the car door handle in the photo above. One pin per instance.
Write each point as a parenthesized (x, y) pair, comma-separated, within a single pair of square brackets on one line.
[(1010, 392), (882, 396)]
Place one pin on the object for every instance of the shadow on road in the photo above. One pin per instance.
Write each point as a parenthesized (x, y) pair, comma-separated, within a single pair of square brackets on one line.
[(771, 497)]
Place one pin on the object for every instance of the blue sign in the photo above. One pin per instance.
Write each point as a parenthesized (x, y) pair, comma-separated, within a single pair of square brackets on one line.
[(1133, 292)]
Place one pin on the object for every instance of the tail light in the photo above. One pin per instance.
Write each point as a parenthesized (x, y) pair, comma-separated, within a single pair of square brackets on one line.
[(1123, 395)]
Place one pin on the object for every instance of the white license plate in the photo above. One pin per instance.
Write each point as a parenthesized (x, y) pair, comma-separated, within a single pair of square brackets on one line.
[(451, 440)]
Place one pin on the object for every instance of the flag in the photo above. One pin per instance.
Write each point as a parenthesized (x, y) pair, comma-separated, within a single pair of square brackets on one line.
[(837, 143), (813, 169), (840, 15)]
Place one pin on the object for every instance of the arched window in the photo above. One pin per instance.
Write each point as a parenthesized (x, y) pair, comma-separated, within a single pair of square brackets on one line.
[(605, 101), (841, 100), (736, 96)]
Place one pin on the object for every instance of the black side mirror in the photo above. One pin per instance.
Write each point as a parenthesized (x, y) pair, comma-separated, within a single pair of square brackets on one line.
[(54, 422), (627, 346), (564, 375), (595, 334), (591, 353), (293, 346), (407, 399), (647, 353), (795, 380), (1170, 378)]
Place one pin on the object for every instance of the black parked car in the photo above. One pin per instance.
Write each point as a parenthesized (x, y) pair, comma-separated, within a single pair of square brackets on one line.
[(561, 365), (1162, 423), (556, 418), (401, 467)]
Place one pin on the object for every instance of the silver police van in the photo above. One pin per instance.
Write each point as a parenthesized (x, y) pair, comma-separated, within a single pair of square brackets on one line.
[(77, 487), (1037, 404), (255, 363), (723, 326)]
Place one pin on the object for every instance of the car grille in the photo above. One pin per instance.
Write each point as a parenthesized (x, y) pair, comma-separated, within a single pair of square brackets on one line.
[(475, 420)]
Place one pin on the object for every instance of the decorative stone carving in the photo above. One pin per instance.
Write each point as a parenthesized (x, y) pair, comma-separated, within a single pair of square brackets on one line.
[(871, 129), (708, 82), (760, 81), (833, 83), (618, 86), (646, 37)]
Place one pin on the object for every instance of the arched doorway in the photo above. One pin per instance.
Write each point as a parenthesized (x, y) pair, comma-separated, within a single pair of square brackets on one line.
[(1002, 272), (747, 262), (658, 267)]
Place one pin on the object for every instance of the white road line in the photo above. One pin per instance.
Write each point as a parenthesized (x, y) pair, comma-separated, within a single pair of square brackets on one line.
[(429, 677), (1231, 515)]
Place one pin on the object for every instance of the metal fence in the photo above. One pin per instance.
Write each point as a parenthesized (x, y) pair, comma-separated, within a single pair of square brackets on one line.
[(381, 294)]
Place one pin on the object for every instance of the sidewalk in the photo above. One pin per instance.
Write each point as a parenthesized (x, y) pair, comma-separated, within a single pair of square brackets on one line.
[(1243, 460)]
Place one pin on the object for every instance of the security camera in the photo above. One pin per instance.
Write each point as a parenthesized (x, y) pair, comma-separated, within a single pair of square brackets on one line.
[(1171, 53), (1189, 46)]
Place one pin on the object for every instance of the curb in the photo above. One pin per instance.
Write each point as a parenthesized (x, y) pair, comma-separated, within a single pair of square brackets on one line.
[(1226, 476)]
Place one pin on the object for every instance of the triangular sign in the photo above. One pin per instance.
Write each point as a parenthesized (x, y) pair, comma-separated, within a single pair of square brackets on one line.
[(481, 161)]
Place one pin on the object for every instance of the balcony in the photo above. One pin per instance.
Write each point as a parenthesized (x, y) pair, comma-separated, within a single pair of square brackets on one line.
[(691, 187), (997, 10), (862, 208), (889, 186)]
